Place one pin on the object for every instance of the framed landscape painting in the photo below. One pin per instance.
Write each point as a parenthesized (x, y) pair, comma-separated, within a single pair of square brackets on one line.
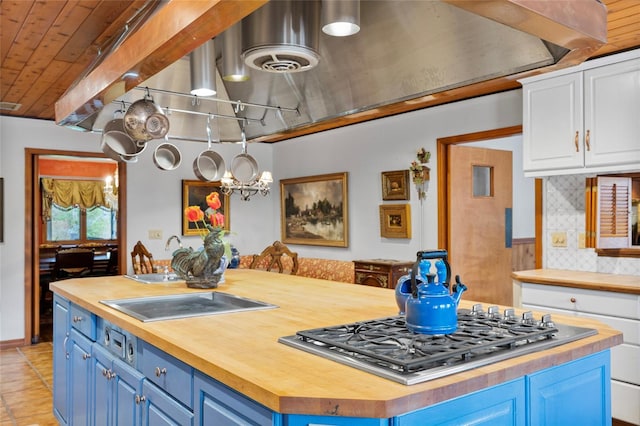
[(314, 210), (194, 193)]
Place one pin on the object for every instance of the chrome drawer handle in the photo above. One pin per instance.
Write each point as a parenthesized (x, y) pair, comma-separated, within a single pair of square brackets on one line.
[(160, 371)]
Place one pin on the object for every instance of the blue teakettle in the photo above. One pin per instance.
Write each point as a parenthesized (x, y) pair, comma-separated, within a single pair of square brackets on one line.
[(431, 308)]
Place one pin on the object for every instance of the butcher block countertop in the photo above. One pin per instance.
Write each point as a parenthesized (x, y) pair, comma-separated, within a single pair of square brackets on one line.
[(241, 349), (580, 279)]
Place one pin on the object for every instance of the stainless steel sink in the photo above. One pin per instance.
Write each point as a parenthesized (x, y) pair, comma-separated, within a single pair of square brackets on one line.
[(154, 278), (176, 306)]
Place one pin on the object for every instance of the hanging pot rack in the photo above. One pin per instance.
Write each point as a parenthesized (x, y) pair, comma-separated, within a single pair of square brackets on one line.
[(238, 106)]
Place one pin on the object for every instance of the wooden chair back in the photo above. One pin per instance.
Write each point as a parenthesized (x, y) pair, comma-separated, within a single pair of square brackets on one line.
[(112, 264), (141, 259), (72, 263), (274, 254)]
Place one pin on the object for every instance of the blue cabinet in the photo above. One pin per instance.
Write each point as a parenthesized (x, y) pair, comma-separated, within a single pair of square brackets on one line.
[(80, 383), (61, 330), (576, 393), (117, 390), (216, 404), (160, 409), (504, 404)]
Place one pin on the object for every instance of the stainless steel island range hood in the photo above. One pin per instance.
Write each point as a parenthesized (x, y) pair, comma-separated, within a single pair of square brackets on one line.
[(408, 54)]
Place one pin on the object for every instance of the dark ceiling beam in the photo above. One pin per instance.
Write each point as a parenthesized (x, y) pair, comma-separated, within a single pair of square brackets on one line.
[(173, 31)]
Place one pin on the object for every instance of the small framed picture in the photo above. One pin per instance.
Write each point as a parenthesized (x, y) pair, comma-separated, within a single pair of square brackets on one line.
[(395, 220), (395, 185)]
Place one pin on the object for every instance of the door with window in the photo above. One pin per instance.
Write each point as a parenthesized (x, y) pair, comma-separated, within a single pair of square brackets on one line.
[(480, 222)]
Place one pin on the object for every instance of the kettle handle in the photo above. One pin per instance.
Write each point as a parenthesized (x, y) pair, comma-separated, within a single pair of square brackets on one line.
[(431, 254)]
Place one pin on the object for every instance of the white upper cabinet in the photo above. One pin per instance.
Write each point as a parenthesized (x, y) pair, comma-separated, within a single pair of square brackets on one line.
[(583, 119)]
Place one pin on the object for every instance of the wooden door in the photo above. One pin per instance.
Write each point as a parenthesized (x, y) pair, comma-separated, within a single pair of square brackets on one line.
[(480, 196)]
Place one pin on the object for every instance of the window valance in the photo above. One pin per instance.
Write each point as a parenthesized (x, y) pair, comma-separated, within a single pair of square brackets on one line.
[(67, 193)]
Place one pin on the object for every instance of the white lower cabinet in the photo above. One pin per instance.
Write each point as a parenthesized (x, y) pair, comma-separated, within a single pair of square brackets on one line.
[(618, 310)]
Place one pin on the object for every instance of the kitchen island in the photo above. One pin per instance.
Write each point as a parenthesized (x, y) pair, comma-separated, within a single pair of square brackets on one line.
[(239, 353)]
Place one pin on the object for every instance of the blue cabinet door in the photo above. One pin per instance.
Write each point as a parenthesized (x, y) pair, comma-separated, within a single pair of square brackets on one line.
[(127, 386), (80, 378), (101, 403), (217, 404), (577, 393), (160, 409), (504, 404), (61, 328)]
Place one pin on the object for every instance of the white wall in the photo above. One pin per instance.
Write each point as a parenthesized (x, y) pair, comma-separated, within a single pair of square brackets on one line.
[(154, 196)]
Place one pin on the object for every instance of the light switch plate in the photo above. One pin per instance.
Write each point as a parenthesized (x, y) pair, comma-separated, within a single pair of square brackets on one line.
[(155, 234), (558, 239)]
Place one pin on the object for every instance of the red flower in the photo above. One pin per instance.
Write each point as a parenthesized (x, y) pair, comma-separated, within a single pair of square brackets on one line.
[(217, 219), (213, 200), (194, 213)]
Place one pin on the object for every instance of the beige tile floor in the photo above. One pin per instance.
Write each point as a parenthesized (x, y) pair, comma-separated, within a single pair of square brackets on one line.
[(26, 381)]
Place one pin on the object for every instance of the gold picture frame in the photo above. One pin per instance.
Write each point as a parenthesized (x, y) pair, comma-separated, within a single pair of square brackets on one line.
[(314, 210), (194, 193), (395, 185), (395, 220)]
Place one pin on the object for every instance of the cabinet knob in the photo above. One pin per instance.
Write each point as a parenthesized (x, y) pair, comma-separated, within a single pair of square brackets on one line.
[(77, 318), (140, 398), (160, 371), (573, 300), (86, 356)]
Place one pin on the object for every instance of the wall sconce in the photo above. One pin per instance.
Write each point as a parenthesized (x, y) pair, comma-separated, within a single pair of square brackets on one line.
[(110, 191), (233, 68), (203, 70), (340, 17)]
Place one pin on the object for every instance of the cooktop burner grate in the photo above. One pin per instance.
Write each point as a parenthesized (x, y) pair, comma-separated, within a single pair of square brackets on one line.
[(385, 346)]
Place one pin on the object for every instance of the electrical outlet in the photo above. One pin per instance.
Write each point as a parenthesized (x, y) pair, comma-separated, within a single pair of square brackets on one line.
[(155, 234), (582, 240), (558, 239)]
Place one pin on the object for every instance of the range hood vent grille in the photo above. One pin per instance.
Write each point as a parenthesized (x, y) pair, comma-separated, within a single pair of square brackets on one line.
[(281, 58), (282, 36)]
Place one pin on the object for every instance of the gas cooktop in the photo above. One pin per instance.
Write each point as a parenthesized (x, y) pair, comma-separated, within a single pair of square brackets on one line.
[(385, 346)]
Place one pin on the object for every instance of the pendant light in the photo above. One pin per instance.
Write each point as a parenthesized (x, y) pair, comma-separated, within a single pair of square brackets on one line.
[(340, 17), (203, 70), (233, 68)]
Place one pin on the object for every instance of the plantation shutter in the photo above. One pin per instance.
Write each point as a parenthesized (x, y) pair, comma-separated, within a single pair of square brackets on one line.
[(614, 208)]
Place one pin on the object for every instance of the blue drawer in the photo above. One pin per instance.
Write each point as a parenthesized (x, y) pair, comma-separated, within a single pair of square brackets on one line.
[(83, 321), (169, 373)]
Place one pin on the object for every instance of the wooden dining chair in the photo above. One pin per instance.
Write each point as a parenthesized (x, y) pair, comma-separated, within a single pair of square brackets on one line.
[(112, 264), (72, 263), (141, 259), (274, 255)]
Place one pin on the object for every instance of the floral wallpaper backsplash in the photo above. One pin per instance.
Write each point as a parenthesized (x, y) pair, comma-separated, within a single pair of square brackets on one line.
[(564, 211)]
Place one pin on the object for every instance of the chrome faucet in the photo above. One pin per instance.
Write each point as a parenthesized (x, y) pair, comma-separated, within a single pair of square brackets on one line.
[(166, 247)]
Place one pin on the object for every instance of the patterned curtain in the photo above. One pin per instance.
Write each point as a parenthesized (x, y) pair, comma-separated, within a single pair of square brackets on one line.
[(67, 193)]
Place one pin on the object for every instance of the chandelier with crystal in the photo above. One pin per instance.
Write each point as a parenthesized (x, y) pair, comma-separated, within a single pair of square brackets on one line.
[(110, 191), (243, 178)]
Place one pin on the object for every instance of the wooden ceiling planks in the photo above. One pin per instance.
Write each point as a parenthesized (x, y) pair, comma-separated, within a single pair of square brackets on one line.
[(87, 25)]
